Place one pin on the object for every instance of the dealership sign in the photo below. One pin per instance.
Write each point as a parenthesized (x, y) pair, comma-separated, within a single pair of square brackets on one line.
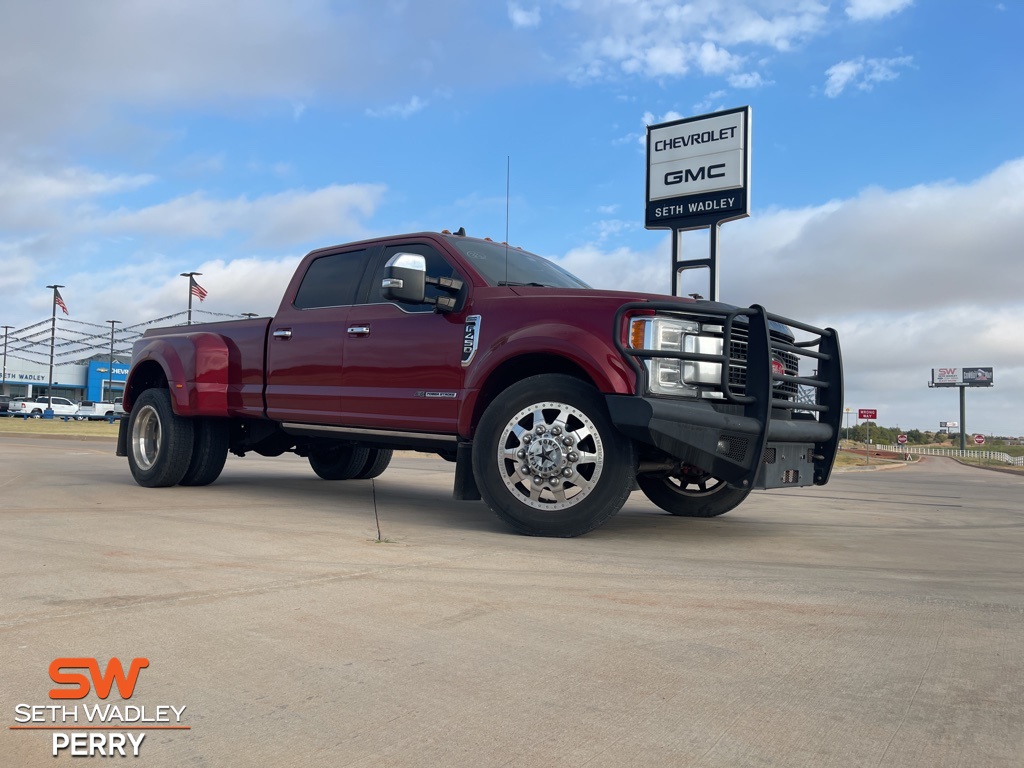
[(962, 377), (698, 170)]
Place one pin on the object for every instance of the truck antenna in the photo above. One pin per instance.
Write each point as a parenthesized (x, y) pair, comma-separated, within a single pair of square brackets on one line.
[(508, 175)]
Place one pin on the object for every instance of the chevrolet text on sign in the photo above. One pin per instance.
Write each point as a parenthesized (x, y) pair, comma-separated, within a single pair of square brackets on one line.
[(698, 170)]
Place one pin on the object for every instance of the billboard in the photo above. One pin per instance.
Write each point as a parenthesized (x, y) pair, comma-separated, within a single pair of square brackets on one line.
[(962, 377), (698, 170)]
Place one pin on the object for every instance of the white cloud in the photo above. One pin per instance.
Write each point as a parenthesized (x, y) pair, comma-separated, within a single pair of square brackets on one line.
[(748, 80), (712, 102), (69, 73), (869, 10), (863, 73), (286, 218), (840, 75), (650, 119), (408, 109), (523, 17), (661, 38), (32, 198)]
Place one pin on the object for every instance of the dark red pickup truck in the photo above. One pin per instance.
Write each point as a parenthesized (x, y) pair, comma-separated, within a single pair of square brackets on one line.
[(554, 400)]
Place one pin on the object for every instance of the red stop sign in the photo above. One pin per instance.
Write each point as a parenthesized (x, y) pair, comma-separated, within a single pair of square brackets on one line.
[(901, 439), (979, 439)]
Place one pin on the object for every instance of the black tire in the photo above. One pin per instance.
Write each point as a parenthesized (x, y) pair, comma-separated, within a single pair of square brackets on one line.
[(159, 441), (696, 495), (579, 470), (209, 452), (376, 463), (342, 463)]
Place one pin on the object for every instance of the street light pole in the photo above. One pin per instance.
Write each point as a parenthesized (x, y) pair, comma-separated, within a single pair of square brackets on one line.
[(3, 382), (110, 369), (190, 276), (53, 336)]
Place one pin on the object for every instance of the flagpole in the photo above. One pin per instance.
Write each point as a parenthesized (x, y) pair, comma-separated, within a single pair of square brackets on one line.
[(110, 370), (53, 336), (189, 275), (3, 384)]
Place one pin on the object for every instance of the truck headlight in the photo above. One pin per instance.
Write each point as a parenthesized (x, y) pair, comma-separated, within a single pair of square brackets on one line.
[(668, 376)]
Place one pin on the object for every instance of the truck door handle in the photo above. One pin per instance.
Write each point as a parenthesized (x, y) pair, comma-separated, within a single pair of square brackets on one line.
[(359, 330), (283, 333)]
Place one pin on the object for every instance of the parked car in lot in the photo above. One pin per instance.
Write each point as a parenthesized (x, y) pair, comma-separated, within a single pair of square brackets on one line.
[(101, 410), (35, 407), (5, 401)]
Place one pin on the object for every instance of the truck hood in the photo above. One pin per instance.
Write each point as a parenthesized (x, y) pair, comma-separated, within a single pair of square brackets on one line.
[(623, 297)]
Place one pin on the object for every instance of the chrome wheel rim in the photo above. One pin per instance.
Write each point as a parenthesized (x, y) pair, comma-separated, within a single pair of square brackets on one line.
[(146, 432), (550, 456)]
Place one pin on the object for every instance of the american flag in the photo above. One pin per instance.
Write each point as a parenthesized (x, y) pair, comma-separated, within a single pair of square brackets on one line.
[(196, 289), (59, 301)]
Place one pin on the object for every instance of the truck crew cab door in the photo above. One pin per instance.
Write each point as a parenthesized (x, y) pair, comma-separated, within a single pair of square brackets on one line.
[(403, 362), (305, 348)]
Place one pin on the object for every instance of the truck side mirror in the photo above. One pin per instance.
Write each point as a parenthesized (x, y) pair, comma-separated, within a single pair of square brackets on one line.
[(405, 278)]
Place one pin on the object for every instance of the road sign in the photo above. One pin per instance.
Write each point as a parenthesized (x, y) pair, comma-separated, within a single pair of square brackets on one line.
[(979, 439), (867, 413), (901, 439)]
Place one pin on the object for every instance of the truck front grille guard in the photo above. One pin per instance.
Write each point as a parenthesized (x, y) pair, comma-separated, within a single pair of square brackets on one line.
[(747, 378)]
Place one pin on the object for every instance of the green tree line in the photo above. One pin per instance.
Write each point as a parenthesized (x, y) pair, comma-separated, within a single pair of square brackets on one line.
[(887, 435)]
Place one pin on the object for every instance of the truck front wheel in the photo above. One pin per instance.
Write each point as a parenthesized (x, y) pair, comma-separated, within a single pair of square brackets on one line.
[(159, 441), (691, 495), (548, 460)]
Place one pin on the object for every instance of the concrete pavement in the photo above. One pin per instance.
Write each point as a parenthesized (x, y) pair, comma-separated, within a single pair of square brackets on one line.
[(876, 621)]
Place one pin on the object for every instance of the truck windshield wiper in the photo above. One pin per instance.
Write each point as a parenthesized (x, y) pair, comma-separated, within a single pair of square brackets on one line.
[(535, 285)]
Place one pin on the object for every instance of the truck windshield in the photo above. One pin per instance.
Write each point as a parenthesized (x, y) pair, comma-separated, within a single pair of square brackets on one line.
[(501, 265)]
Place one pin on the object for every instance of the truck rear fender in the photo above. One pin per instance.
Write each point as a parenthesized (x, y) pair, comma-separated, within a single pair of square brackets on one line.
[(194, 368), (515, 357)]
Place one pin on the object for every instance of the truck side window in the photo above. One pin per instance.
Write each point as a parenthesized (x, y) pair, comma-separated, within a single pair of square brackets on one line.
[(437, 266), (331, 281)]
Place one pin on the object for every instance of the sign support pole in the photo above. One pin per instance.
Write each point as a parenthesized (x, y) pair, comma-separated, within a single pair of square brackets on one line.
[(963, 418), (711, 263), (867, 443)]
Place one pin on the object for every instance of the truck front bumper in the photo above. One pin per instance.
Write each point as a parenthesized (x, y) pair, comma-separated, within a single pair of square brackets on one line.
[(729, 446), (762, 424)]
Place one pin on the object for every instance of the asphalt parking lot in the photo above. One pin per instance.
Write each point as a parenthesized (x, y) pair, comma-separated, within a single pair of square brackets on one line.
[(877, 621)]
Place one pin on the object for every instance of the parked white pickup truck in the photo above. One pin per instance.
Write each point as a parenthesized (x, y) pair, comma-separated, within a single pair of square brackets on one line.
[(61, 407), (102, 410)]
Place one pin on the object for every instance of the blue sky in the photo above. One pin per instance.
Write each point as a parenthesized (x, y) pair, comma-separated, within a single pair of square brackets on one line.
[(144, 139)]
